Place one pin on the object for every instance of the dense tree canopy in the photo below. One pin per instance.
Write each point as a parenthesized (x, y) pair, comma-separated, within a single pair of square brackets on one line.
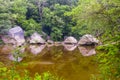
[(5, 19), (42, 16), (55, 18), (97, 17)]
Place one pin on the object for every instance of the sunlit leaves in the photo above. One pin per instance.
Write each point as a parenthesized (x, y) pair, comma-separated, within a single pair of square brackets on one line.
[(108, 61), (101, 17)]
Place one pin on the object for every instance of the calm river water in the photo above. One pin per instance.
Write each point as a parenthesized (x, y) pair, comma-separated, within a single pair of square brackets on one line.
[(69, 61)]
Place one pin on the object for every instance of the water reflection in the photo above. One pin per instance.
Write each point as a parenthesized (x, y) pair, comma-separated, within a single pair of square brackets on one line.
[(36, 49), (87, 50), (50, 45), (40, 63), (17, 54), (57, 60), (15, 58), (6, 49), (69, 47)]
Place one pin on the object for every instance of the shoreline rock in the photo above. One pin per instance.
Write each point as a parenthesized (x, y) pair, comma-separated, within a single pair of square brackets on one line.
[(88, 40)]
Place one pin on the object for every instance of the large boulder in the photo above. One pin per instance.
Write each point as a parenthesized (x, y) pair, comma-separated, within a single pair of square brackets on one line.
[(88, 40), (36, 38), (17, 34), (70, 40)]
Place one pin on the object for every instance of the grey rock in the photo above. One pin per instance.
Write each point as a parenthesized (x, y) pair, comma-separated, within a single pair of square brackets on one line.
[(17, 34), (70, 40), (88, 40), (36, 38)]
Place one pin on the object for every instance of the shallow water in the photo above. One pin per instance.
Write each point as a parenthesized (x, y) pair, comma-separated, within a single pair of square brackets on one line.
[(68, 61)]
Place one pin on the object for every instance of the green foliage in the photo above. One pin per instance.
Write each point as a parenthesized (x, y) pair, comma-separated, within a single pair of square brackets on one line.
[(97, 17), (63, 2), (30, 26), (32, 12), (13, 74), (18, 10), (3, 69), (53, 21), (38, 16), (109, 60), (17, 53), (1, 42), (5, 22), (19, 6), (37, 77)]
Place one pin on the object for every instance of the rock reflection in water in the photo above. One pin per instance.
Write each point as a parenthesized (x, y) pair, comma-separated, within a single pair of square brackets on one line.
[(87, 50), (13, 58), (36, 49), (70, 47), (16, 54), (6, 49)]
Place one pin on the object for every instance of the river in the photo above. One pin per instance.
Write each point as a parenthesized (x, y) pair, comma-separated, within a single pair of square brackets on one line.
[(69, 61)]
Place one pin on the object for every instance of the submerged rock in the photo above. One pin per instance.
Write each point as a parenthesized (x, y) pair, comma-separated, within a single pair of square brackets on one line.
[(88, 40), (70, 40), (36, 38)]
